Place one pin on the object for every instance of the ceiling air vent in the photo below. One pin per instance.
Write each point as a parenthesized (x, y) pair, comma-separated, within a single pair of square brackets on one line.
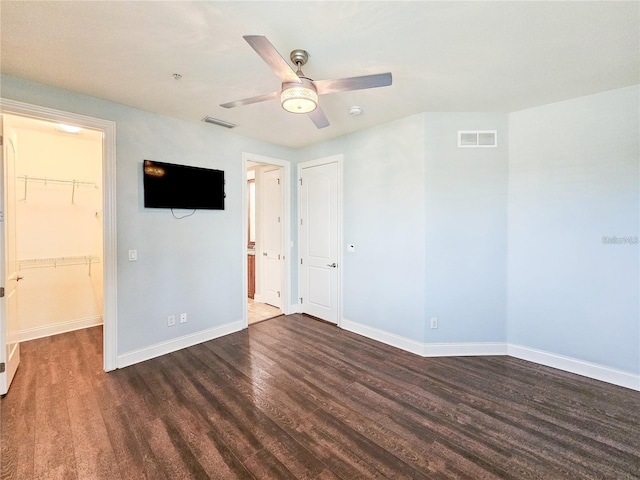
[(477, 138), (216, 121)]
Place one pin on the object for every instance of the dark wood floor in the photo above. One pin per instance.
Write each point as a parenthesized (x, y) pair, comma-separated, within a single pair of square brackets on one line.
[(296, 398)]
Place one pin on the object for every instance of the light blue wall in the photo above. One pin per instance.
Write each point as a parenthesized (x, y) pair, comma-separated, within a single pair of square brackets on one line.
[(466, 230), (574, 169), (429, 223), (383, 216), (192, 265)]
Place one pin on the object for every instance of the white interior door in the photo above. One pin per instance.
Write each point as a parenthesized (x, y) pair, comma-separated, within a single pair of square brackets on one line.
[(9, 346), (270, 243), (319, 241)]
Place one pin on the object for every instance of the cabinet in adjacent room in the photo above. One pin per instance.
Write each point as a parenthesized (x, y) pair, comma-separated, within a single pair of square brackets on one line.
[(251, 265)]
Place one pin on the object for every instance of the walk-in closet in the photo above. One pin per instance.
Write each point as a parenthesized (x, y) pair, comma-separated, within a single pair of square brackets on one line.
[(58, 182)]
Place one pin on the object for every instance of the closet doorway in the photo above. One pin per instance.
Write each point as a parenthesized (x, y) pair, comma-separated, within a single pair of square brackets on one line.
[(267, 226), (58, 211), (10, 331)]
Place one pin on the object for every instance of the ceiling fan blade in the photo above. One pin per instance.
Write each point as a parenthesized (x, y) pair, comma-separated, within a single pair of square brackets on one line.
[(319, 118), (270, 55), (249, 101), (354, 83)]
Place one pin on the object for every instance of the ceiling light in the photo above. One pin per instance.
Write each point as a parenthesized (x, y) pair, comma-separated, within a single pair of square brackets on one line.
[(299, 97), (69, 128)]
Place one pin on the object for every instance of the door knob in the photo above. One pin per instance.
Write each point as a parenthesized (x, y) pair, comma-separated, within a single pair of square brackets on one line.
[(332, 265), (19, 278), (264, 254)]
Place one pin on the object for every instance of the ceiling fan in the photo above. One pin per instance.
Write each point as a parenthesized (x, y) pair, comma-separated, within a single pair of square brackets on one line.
[(299, 94)]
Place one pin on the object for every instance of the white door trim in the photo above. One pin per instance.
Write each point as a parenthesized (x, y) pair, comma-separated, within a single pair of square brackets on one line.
[(108, 128), (287, 243), (314, 163)]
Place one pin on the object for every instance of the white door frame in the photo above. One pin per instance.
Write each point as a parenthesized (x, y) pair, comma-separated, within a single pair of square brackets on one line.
[(108, 128), (286, 241), (315, 163)]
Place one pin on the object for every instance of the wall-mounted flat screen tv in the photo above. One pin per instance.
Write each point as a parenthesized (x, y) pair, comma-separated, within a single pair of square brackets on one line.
[(167, 185)]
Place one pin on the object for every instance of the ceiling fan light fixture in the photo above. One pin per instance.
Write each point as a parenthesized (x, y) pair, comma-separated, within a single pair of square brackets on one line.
[(299, 97)]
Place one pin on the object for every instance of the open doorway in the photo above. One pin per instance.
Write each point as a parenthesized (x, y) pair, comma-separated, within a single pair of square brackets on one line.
[(98, 264), (267, 226)]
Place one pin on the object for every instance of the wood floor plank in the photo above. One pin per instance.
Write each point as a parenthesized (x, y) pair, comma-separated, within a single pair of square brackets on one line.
[(288, 424), (220, 418), (94, 456), (327, 474), (305, 393), (263, 464), (17, 420), (343, 461), (253, 407), (130, 450), (337, 387), (339, 390), (214, 457), (295, 398), (308, 442), (53, 452), (135, 422), (274, 399)]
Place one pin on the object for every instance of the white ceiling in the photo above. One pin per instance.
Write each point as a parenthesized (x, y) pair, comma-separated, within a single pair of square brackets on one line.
[(444, 56)]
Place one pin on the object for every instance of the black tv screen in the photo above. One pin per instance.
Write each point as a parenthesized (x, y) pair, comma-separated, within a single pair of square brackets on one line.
[(167, 185)]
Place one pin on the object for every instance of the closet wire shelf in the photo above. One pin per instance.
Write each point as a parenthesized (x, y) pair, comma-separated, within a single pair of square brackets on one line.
[(55, 262)]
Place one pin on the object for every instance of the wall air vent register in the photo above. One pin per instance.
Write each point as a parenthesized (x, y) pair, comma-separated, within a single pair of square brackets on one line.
[(477, 138)]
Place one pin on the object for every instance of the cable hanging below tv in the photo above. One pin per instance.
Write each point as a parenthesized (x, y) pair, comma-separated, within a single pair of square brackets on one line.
[(167, 185)]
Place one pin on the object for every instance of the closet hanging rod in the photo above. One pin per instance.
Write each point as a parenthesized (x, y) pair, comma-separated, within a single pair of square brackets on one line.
[(46, 180), (58, 261), (55, 262)]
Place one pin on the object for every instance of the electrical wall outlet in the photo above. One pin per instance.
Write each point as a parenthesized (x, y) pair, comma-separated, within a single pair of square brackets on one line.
[(183, 318), (171, 320), (434, 322)]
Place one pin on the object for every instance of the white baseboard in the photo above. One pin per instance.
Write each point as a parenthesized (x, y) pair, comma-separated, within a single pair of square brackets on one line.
[(174, 344), (470, 349), (56, 328), (425, 349), (579, 367), (392, 339), (294, 308), (567, 364)]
